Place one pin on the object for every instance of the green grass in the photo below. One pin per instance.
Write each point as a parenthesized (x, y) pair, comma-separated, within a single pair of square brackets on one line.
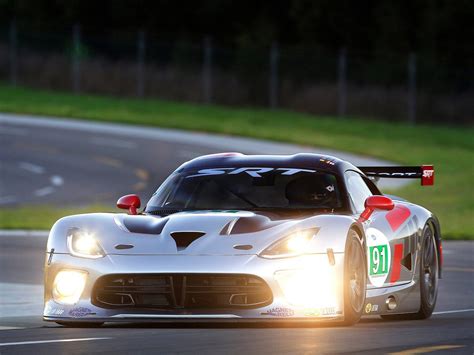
[(450, 149), (42, 216)]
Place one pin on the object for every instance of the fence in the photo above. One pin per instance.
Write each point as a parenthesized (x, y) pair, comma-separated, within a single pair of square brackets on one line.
[(396, 86)]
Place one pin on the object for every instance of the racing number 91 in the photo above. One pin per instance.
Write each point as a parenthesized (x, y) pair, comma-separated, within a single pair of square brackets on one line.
[(378, 260)]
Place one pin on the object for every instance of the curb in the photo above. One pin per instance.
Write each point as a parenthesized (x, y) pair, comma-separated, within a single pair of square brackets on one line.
[(24, 233)]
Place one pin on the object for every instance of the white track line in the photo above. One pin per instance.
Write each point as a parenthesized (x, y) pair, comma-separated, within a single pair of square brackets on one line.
[(32, 168), (44, 191), (455, 311), (51, 341)]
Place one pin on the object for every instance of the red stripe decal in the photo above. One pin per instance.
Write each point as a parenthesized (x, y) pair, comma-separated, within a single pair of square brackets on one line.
[(397, 216), (397, 262)]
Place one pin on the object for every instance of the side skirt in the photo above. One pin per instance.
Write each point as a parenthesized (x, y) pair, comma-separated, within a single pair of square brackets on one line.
[(407, 298)]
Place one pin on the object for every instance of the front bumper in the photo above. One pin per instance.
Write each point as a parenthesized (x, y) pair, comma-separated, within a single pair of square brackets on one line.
[(319, 275)]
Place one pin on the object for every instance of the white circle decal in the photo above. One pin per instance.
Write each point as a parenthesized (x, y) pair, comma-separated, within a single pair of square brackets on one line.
[(378, 256)]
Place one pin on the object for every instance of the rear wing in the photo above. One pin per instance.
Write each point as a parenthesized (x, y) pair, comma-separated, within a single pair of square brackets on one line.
[(425, 173)]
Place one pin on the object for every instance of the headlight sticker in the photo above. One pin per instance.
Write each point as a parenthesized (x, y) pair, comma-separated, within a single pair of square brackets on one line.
[(378, 257), (279, 312), (80, 312)]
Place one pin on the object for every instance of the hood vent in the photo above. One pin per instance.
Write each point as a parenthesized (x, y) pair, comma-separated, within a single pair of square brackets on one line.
[(252, 224), (406, 261), (183, 239), (144, 224)]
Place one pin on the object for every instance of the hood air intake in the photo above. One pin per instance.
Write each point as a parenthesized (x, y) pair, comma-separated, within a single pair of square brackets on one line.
[(183, 239)]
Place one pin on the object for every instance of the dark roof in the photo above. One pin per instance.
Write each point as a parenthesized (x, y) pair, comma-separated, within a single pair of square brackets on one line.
[(301, 160)]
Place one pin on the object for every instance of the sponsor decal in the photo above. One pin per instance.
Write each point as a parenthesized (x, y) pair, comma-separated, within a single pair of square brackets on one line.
[(279, 312), (428, 173), (252, 171), (312, 312), (390, 174), (330, 188), (51, 311), (369, 307), (80, 312), (378, 256), (323, 311), (427, 178)]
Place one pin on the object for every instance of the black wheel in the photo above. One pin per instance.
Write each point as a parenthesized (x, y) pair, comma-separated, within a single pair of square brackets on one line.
[(80, 324), (429, 268), (355, 278)]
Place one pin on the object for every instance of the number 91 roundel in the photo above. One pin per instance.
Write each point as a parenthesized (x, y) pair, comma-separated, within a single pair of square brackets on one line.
[(378, 257)]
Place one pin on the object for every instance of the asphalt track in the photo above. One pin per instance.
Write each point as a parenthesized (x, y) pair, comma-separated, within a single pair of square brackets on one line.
[(71, 162)]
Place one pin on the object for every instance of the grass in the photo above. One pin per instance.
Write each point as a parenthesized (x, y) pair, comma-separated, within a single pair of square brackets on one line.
[(41, 216), (450, 149)]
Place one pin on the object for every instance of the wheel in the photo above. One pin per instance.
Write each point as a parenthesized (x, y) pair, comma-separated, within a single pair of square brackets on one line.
[(355, 278), (81, 324), (429, 268)]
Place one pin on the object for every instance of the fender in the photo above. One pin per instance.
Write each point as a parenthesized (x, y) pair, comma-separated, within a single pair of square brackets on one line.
[(333, 232)]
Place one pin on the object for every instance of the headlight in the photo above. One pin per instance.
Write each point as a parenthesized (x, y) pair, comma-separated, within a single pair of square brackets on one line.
[(83, 244), (68, 286), (294, 244)]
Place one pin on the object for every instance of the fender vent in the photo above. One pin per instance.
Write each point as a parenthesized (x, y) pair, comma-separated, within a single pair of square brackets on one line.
[(144, 224), (183, 239), (406, 261)]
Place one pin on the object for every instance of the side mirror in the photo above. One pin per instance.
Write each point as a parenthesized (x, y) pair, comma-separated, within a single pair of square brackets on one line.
[(376, 202), (130, 203)]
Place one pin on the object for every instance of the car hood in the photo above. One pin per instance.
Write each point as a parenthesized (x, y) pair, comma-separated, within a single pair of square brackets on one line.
[(202, 233), (191, 233)]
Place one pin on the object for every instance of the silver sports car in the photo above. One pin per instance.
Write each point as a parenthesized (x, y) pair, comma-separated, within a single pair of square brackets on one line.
[(231, 237)]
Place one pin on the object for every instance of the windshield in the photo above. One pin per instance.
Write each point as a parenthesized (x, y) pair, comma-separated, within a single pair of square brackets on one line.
[(247, 189)]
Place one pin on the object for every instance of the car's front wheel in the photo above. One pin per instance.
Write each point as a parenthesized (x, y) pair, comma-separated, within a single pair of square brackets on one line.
[(355, 278)]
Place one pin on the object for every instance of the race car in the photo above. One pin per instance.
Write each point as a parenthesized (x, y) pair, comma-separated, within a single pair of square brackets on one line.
[(234, 237)]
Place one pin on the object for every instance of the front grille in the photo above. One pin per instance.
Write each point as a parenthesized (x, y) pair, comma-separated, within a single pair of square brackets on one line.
[(181, 291)]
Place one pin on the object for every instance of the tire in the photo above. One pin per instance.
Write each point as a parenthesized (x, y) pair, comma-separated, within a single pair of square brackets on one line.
[(429, 269), (355, 278), (81, 324)]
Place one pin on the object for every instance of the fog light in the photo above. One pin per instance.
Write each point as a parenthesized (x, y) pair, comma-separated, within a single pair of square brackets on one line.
[(308, 289), (391, 303), (68, 286)]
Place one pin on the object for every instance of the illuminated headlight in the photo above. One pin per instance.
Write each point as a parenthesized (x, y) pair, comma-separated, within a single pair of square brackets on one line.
[(292, 245), (68, 286), (313, 287), (83, 244)]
